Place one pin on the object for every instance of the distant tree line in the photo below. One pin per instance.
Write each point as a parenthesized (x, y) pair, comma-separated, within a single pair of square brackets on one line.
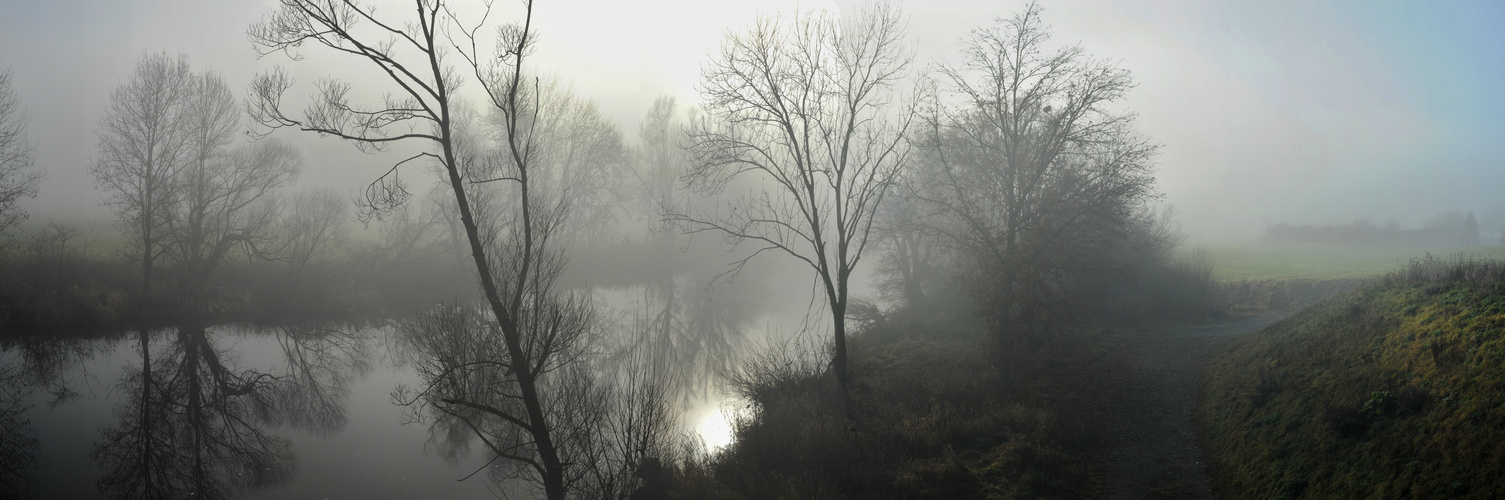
[(209, 221), (1450, 228)]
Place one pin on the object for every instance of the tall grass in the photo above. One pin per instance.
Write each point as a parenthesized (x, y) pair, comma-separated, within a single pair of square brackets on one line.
[(1482, 275)]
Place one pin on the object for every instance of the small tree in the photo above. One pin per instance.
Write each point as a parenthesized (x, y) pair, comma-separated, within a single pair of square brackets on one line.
[(802, 111), (1470, 231), (17, 177)]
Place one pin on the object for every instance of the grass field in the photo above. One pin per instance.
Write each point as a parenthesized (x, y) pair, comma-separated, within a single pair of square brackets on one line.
[(1259, 260)]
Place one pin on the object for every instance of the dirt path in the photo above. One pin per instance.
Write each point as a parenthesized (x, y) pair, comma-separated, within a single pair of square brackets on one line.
[(1141, 411)]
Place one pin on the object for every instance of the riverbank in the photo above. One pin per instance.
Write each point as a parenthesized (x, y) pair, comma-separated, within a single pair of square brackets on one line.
[(1389, 391)]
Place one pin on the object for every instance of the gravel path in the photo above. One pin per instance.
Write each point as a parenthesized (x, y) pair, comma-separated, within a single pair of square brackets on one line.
[(1142, 408)]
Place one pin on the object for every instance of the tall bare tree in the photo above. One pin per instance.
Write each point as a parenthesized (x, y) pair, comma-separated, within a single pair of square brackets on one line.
[(526, 392), (17, 177), (1034, 172), (804, 113), (141, 150)]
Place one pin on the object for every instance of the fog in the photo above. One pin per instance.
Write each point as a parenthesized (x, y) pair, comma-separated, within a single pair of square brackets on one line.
[(1302, 112), (597, 263)]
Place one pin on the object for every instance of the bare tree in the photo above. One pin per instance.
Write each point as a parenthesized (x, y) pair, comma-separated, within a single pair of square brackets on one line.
[(802, 112), (577, 155), (226, 204), (223, 193), (17, 177), (915, 261), (522, 393), (1033, 172), (409, 234), (315, 224), (660, 158), (141, 150)]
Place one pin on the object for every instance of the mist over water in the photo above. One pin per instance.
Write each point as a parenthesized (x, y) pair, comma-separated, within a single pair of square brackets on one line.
[(337, 433), (583, 245)]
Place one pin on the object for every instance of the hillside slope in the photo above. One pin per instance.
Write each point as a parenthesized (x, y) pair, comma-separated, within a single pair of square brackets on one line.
[(1393, 390)]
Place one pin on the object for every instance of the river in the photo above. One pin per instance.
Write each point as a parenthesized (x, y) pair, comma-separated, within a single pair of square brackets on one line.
[(289, 412)]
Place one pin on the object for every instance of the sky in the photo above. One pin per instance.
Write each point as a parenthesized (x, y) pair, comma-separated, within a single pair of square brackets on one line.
[(1309, 112)]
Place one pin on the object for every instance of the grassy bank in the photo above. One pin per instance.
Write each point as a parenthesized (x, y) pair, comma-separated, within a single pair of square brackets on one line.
[(1394, 390)]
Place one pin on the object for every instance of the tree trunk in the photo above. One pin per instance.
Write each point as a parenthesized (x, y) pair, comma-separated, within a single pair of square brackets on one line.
[(146, 266), (553, 469), (839, 358)]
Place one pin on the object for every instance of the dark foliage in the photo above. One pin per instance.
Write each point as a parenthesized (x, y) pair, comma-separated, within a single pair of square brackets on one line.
[(934, 420)]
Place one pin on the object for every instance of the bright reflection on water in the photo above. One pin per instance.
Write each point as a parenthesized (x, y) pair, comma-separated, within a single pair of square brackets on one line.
[(311, 405)]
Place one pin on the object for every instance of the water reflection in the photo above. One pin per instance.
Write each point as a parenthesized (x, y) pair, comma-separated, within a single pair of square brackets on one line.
[(605, 420), (688, 334), (29, 364), (194, 423), (319, 363), (229, 411), (19, 450)]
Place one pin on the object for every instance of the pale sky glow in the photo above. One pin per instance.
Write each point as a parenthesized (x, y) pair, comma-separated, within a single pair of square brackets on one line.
[(1304, 111), (715, 429)]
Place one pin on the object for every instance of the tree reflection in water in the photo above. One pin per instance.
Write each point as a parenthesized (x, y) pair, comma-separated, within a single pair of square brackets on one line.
[(687, 331), (29, 363), (607, 419), (195, 424), (19, 452)]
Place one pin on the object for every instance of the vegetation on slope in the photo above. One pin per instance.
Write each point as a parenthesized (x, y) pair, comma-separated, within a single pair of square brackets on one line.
[(1257, 261), (1394, 390)]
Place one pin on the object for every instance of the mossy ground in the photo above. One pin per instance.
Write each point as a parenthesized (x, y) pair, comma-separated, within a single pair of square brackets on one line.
[(1394, 390)]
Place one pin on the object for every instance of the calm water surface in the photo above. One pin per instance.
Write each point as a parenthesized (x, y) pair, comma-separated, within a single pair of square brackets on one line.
[(290, 412)]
